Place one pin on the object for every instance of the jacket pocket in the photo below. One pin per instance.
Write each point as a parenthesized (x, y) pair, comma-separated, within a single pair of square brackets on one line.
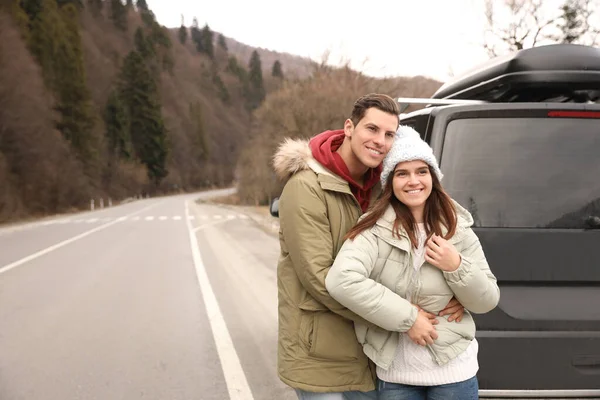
[(330, 337), (310, 304)]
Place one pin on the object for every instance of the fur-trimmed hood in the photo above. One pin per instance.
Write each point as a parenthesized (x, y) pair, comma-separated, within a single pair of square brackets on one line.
[(292, 156)]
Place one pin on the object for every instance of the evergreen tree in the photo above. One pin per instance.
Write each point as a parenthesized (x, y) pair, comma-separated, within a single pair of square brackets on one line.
[(31, 7), (146, 127), (21, 18), (197, 36), (183, 33), (160, 35), (118, 14), (573, 21), (160, 45), (117, 127), (55, 41), (234, 67), (223, 92), (255, 78), (199, 138), (76, 108), (142, 5), (277, 71), (143, 45), (207, 41), (222, 43), (148, 18)]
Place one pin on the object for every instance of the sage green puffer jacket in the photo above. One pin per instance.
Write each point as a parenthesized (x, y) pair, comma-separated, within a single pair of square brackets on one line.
[(372, 273)]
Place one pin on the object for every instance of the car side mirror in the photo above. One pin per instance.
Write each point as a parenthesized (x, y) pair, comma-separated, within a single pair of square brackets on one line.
[(274, 207)]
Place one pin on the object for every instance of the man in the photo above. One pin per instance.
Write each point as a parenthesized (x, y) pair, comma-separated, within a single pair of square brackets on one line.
[(331, 181)]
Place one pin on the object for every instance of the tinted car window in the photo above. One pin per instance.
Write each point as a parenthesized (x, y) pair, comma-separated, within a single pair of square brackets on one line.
[(525, 172)]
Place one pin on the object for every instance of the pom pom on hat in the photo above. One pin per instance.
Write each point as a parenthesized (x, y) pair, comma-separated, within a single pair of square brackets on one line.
[(408, 146), (406, 132)]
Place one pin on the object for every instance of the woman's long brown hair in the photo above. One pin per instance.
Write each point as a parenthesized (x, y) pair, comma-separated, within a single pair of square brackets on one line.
[(439, 212)]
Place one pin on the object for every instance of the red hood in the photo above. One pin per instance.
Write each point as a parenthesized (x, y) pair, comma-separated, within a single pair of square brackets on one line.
[(324, 148)]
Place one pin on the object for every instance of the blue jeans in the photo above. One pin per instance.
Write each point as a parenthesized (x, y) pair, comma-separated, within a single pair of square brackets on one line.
[(465, 390), (354, 395)]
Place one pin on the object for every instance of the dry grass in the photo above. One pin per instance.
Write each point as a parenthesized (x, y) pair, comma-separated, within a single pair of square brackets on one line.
[(232, 200), (301, 110)]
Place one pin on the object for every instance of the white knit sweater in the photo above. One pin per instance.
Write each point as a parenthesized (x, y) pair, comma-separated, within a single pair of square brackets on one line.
[(414, 365)]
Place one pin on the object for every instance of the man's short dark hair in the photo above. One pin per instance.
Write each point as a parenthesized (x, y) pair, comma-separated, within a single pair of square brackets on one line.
[(379, 101)]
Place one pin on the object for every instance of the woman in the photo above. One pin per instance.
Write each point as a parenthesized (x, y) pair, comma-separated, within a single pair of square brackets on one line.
[(408, 256)]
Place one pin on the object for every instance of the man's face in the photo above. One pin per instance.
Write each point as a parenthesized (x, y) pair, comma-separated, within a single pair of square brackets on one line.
[(371, 139)]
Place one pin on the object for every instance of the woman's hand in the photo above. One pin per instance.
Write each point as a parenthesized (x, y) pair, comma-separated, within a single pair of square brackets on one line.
[(422, 332), (442, 254)]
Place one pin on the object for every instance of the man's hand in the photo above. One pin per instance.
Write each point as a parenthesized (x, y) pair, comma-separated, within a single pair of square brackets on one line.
[(422, 332), (454, 309), (432, 317)]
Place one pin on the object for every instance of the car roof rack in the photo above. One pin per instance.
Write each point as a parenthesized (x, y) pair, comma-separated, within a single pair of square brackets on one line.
[(552, 73), (406, 102)]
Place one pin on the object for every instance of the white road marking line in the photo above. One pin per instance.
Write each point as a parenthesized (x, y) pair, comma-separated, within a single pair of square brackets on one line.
[(230, 216), (92, 220), (235, 379), (196, 229), (190, 217), (177, 218), (149, 218), (47, 250)]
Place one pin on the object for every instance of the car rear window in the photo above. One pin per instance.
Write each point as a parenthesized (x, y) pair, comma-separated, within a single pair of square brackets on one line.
[(524, 172)]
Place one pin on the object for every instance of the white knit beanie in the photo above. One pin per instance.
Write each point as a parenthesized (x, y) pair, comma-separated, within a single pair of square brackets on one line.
[(408, 146)]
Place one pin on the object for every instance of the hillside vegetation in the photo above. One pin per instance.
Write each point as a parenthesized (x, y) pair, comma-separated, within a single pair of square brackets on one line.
[(302, 109), (98, 100)]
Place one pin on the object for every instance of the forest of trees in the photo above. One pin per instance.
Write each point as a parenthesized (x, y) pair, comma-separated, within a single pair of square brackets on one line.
[(99, 100)]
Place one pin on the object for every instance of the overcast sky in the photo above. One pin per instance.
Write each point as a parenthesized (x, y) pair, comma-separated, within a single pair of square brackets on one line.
[(435, 38)]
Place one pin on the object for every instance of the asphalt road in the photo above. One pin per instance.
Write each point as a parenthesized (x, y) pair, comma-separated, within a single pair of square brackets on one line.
[(155, 299)]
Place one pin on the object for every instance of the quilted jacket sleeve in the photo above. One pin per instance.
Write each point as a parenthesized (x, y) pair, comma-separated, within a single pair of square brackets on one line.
[(349, 283), (473, 283)]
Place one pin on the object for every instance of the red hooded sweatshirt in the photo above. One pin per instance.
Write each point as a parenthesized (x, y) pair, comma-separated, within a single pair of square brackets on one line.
[(324, 149)]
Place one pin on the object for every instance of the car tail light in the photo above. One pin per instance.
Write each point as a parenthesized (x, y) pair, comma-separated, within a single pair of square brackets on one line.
[(574, 114)]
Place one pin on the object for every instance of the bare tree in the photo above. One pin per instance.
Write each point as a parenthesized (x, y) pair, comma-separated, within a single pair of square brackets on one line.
[(576, 22), (513, 25)]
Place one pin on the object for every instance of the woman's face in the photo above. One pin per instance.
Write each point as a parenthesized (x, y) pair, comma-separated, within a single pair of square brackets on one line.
[(412, 185)]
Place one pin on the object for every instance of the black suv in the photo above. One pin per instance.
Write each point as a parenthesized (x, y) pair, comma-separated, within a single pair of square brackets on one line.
[(518, 140)]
